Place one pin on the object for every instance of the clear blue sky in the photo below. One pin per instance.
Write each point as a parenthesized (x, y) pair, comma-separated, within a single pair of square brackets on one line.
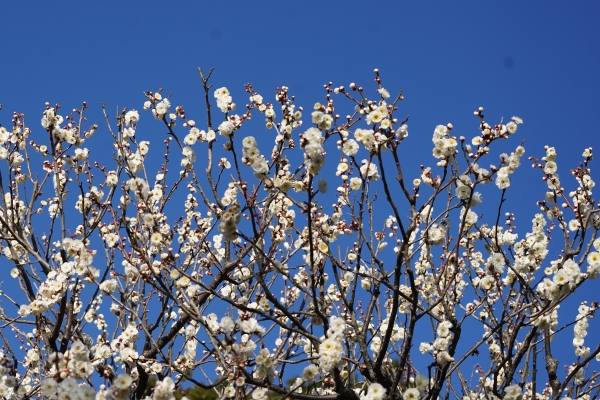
[(535, 59)]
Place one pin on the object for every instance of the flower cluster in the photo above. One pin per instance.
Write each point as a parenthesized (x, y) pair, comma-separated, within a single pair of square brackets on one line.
[(312, 143), (265, 366), (253, 158), (232, 216), (530, 252), (330, 349), (580, 330), (67, 368), (566, 276), (440, 345), (131, 117), (124, 345), (508, 166), (322, 116), (224, 100), (54, 288), (50, 387), (593, 260), (368, 170), (376, 391), (196, 134), (189, 157), (378, 115), (160, 106), (513, 392), (444, 144), (465, 192), (163, 390), (365, 137)]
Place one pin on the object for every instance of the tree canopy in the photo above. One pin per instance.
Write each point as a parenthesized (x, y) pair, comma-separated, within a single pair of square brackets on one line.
[(302, 259)]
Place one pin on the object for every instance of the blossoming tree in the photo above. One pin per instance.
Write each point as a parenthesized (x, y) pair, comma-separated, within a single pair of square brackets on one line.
[(238, 272)]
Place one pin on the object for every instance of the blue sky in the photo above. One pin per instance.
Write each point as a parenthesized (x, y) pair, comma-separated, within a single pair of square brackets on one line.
[(538, 60)]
